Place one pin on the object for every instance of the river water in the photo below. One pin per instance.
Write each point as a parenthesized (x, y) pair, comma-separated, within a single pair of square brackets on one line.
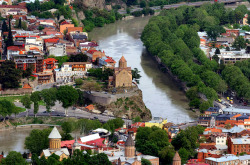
[(160, 94)]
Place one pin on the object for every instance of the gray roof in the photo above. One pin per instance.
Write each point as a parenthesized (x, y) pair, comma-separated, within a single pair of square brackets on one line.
[(243, 140), (55, 134), (226, 158)]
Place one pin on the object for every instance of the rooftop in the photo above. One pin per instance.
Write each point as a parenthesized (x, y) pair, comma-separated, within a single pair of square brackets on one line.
[(55, 134)]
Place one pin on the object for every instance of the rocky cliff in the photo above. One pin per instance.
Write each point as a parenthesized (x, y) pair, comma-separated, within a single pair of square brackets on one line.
[(100, 4), (130, 107)]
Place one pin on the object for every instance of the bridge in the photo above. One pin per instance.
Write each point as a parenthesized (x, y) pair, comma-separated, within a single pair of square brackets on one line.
[(198, 4)]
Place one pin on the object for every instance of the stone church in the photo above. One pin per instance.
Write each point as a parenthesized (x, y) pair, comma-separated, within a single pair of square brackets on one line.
[(122, 75)]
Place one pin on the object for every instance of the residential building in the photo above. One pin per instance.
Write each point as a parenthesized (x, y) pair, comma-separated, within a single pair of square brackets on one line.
[(228, 159), (231, 33), (212, 110), (94, 54), (57, 50), (55, 146), (5, 8), (14, 51), (219, 138), (239, 145), (65, 25), (72, 70), (157, 121)]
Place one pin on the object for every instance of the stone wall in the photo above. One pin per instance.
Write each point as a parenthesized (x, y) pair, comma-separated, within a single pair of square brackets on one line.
[(99, 98), (17, 91)]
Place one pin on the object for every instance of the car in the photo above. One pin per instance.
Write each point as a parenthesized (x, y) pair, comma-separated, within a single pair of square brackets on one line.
[(96, 118), (219, 100), (44, 111)]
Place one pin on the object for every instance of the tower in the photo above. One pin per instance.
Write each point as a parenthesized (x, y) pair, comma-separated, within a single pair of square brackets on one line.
[(55, 139), (176, 159), (76, 146), (212, 122), (122, 62), (129, 146)]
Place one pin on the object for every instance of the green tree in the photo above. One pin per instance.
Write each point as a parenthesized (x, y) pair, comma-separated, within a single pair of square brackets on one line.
[(136, 75), (26, 101), (205, 105), (37, 140), (14, 158), (10, 37), (184, 154), (145, 162), (4, 26), (78, 81), (35, 98), (9, 75), (49, 97), (214, 31), (68, 96), (67, 128), (239, 43), (151, 141), (6, 108), (19, 23), (137, 119), (167, 154), (143, 4)]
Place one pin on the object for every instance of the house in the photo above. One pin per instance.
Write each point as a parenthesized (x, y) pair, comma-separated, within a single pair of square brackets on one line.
[(5, 8), (231, 33), (239, 145), (157, 121), (65, 25), (72, 70), (212, 110), (95, 54), (57, 50), (227, 159), (74, 29), (55, 146)]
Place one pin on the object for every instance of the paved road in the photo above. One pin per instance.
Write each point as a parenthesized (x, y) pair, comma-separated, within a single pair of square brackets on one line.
[(59, 111)]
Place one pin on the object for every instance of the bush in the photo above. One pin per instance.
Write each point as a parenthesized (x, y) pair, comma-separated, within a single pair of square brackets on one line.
[(79, 81)]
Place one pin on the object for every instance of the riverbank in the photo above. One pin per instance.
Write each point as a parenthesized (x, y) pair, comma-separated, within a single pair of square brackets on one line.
[(160, 93)]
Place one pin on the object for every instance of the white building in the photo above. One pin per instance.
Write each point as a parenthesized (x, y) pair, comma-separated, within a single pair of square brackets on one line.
[(72, 70), (57, 50), (219, 138), (231, 56)]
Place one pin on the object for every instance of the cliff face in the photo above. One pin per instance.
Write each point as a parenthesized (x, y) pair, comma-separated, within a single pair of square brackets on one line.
[(85, 4), (130, 107)]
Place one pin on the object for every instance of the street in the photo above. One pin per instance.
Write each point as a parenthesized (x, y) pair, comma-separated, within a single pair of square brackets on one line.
[(59, 111)]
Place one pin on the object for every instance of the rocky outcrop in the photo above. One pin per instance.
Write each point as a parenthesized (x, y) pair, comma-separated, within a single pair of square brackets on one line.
[(130, 107), (100, 4)]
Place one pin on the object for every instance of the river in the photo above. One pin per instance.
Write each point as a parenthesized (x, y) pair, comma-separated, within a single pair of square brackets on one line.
[(160, 94)]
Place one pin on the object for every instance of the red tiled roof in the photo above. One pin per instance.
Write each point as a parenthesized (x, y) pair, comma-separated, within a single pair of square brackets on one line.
[(12, 6), (13, 48), (92, 51), (97, 142), (51, 40), (110, 60), (27, 86), (90, 107), (65, 22), (138, 124), (49, 60)]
